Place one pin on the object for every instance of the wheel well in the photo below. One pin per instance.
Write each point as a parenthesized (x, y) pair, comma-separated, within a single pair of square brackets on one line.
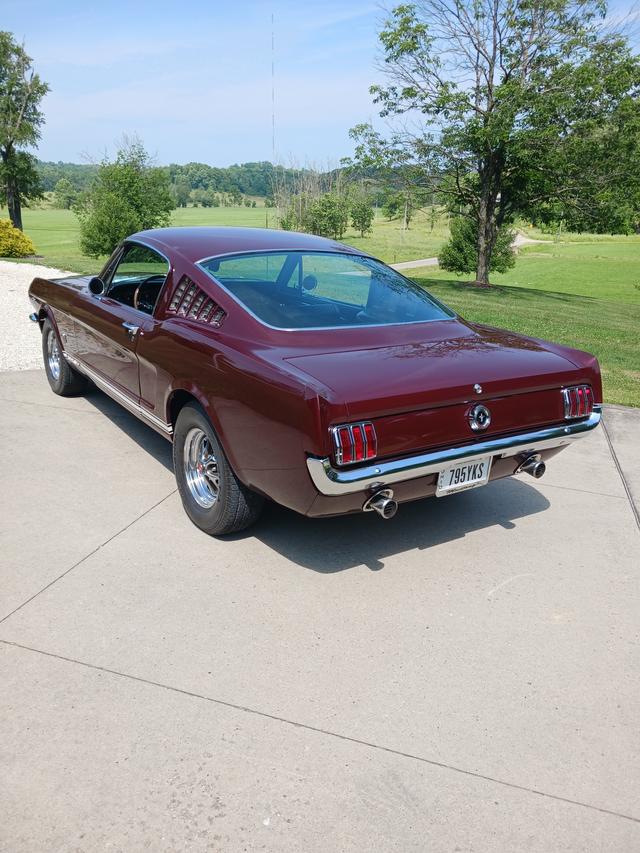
[(176, 402)]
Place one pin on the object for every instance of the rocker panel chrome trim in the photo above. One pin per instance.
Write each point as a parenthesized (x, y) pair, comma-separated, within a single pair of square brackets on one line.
[(120, 396), (330, 481)]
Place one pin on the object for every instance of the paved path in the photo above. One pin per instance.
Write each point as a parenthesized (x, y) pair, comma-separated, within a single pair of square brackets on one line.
[(463, 677), (408, 265)]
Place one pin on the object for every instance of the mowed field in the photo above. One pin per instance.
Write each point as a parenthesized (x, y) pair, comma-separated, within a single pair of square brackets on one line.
[(583, 291), (569, 293), (56, 234)]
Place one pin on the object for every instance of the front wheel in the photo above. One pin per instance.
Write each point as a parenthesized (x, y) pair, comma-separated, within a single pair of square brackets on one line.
[(212, 496), (63, 379)]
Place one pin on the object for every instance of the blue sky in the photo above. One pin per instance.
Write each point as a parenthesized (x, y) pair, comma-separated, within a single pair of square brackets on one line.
[(193, 80)]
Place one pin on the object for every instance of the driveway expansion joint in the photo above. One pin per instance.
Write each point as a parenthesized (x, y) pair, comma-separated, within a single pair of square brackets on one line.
[(307, 727), (616, 462), (86, 557), (584, 491)]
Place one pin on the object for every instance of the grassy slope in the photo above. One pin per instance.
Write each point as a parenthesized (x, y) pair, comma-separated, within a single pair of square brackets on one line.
[(584, 292)]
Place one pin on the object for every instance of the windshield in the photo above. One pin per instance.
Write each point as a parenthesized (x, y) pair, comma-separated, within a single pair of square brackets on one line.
[(302, 290)]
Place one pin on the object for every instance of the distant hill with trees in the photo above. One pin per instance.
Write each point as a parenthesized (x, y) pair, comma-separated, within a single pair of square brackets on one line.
[(188, 181)]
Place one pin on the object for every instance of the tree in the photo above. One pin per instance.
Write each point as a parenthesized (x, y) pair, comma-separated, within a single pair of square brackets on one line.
[(21, 91), (64, 194), (392, 205), (128, 194), (181, 189), (391, 166), (362, 216), (509, 97), (460, 255), (21, 171), (327, 216)]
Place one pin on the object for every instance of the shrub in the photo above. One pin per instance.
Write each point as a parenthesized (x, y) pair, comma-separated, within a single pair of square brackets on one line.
[(13, 243), (460, 253), (127, 195), (111, 219)]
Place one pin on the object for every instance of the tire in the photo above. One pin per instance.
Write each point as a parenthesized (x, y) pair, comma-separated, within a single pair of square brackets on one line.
[(63, 379), (212, 496)]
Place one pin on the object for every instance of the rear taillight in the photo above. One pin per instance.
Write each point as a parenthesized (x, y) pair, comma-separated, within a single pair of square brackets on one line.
[(578, 401), (354, 443)]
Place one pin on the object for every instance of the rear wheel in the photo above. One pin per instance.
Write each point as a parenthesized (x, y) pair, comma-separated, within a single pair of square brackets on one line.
[(63, 379), (213, 497)]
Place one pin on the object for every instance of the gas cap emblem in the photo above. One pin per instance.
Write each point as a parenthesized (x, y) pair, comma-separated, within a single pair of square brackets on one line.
[(477, 388), (479, 418)]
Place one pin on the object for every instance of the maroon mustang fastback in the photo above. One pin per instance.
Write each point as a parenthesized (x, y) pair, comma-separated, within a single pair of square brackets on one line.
[(295, 368)]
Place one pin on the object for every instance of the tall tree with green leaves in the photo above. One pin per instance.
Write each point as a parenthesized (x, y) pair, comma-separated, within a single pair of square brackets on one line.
[(21, 92), (362, 215), (503, 101), (128, 195), (64, 194)]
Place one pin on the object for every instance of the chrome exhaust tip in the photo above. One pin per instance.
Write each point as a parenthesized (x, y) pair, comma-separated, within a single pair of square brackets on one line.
[(532, 465), (383, 503)]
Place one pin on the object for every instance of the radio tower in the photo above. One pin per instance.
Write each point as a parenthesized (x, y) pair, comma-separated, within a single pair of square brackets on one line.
[(273, 92)]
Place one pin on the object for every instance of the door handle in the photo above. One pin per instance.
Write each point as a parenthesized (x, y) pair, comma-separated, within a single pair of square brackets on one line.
[(132, 330)]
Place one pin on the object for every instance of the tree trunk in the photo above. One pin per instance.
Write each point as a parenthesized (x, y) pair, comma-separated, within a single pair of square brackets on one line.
[(484, 255), (12, 191), (487, 237), (13, 203)]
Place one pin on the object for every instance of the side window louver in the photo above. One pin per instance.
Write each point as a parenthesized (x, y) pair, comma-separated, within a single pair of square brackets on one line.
[(191, 302)]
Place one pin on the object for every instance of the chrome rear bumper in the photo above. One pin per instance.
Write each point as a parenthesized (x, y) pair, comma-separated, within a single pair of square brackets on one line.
[(332, 481)]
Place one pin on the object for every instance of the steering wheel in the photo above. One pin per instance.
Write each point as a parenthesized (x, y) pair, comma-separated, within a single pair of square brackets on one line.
[(136, 294), (141, 306)]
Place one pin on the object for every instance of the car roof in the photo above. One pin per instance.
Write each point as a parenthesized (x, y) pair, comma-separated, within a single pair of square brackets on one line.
[(198, 242)]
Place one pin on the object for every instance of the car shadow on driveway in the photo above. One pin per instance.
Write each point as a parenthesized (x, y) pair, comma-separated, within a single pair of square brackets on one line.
[(144, 436), (329, 545)]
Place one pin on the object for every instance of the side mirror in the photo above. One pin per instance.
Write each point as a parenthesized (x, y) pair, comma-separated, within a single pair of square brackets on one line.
[(96, 285)]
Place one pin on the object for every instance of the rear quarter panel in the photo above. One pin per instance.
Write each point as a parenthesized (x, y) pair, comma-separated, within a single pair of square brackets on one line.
[(265, 413)]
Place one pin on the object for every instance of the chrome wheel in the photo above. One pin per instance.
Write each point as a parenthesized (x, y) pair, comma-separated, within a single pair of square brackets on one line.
[(201, 468), (53, 356)]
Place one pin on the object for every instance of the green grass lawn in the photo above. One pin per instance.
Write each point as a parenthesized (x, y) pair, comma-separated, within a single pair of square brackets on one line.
[(585, 295), (602, 270), (607, 327), (583, 291)]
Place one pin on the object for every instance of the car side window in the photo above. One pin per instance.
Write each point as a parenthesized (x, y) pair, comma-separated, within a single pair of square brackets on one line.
[(138, 278)]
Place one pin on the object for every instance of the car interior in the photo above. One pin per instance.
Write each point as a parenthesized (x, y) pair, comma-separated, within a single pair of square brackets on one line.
[(136, 277), (292, 299), (140, 292)]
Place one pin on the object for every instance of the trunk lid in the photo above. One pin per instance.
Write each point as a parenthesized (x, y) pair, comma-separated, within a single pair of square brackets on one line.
[(419, 393)]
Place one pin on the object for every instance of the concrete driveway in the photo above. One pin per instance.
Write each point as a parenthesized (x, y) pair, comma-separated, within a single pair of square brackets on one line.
[(464, 677)]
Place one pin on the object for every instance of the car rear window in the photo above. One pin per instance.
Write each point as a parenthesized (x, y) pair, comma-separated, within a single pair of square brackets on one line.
[(301, 290)]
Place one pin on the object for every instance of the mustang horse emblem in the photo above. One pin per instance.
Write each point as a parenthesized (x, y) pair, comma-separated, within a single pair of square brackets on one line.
[(479, 418)]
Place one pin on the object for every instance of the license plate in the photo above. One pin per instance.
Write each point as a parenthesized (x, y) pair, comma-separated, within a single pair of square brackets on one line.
[(460, 477)]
